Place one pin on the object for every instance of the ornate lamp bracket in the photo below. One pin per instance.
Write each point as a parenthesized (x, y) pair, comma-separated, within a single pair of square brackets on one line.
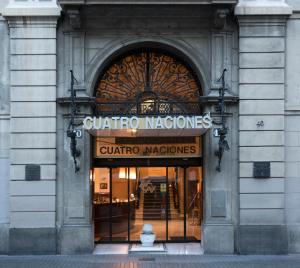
[(223, 130), (71, 132)]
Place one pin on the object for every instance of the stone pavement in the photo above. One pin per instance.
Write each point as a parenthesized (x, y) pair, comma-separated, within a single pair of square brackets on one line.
[(149, 261)]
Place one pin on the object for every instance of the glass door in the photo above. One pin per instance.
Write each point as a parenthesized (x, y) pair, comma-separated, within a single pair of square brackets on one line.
[(176, 203), (120, 204), (185, 203), (113, 203), (193, 211), (126, 198), (101, 204), (151, 202)]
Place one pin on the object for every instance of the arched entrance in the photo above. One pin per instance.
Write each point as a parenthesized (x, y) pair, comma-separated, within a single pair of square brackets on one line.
[(154, 175)]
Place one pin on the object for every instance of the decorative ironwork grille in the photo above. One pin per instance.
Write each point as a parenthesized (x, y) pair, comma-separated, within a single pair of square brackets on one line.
[(148, 82)]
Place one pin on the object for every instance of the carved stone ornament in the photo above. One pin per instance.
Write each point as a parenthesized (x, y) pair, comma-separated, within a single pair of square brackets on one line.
[(74, 18), (220, 18)]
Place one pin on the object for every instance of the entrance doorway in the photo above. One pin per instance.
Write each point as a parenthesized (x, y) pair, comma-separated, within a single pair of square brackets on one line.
[(168, 197), (147, 159)]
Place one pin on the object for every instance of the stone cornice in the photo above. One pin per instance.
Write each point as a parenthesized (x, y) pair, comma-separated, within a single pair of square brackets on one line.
[(30, 8), (263, 7), (144, 2), (32, 21)]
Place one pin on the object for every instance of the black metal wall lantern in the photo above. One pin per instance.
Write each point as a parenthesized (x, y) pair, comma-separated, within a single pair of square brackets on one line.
[(71, 131), (223, 130)]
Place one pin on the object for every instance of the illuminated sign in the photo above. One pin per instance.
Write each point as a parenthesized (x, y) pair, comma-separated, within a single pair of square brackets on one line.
[(107, 148), (148, 122)]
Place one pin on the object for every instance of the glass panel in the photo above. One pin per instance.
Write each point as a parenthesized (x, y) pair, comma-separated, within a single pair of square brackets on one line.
[(133, 197), (150, 192), (176, 204), (120, 205), (101, 204), (140, 196), (193, 203)]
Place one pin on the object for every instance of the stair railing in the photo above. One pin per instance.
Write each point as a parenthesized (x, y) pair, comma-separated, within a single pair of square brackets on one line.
[(193, 200), (176, 196), (138, 193), (173, 192)]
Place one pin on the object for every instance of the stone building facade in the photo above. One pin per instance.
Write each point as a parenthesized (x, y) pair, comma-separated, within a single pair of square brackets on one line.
[(257, 41)]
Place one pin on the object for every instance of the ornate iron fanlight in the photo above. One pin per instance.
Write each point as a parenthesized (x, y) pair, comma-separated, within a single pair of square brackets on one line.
[(148, 82)]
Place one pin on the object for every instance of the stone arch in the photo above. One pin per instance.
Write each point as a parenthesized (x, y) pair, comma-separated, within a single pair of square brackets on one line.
[(180, 49)]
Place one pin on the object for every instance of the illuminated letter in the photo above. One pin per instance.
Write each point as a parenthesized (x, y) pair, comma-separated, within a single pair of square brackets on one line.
[(115, 119), (97, 122), (159, 123), (106, 123), (103, 150), (149, 122), (124, 122), (190, 122), (134, 122), (88, 122), (180, 120), (168, 118), (207, 121), (198, 122), (136, 150)]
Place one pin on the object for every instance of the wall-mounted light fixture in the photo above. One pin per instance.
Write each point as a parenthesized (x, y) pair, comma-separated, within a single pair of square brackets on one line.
[(123, 173)]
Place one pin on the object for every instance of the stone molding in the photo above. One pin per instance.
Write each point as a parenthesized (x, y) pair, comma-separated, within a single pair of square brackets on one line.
[(32, 22), (31, 8), (117, 46), (263, 7), (145, 2)]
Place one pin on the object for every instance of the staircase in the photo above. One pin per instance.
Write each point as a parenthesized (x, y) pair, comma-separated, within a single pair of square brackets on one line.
[(139, 211), (173, 212), (153, 202)]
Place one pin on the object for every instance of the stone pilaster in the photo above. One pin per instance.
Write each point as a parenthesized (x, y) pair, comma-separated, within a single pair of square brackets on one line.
[(4, 136), (32, 26), (292, 130), (261, 131)]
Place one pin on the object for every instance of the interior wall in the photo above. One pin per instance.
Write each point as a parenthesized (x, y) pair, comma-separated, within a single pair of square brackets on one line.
[(152, 172), (101, 178)]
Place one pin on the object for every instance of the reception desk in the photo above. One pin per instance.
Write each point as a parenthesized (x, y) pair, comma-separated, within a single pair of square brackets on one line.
[(118, 220)]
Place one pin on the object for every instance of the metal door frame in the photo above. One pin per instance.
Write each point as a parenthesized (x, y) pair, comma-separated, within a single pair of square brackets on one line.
[(184, 165)]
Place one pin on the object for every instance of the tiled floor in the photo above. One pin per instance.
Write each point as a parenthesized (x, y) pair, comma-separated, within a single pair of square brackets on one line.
[(184, 249), (104, 249), (172, 249)]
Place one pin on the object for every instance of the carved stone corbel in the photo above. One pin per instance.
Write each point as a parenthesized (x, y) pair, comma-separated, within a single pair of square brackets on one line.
[(220, 18), (74, 17)]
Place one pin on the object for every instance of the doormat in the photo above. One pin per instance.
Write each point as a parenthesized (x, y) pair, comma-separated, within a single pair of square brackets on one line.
[(181, 238), (138, 248), (113, 239)]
